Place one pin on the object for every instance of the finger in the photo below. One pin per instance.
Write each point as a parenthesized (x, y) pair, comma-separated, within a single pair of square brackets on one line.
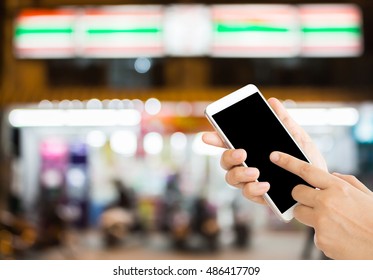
[(304, 214), (352, 180), (254, 191), (294, 128), (231, 158), (283, 115), (213, 138), (240, 175), (298, 133), (311, 174), (281, 112), (304, 195)]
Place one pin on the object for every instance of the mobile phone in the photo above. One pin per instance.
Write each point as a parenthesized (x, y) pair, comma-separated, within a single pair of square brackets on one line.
[(244, 119)]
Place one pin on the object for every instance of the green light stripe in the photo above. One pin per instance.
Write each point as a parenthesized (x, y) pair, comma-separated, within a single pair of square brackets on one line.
[(134, 30), (355, 30), (248, 28), (26, 31)]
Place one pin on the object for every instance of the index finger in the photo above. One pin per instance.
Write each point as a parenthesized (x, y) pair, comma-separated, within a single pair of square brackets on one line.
[(311, 174), (213, 138)]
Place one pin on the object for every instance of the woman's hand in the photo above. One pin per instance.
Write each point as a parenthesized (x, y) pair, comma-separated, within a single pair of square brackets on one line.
[(340, 209)]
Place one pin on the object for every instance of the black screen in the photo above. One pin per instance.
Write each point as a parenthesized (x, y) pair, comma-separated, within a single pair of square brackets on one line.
[(251, 125)]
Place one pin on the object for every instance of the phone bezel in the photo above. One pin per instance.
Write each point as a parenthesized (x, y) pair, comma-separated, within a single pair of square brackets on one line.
[(228, 101)]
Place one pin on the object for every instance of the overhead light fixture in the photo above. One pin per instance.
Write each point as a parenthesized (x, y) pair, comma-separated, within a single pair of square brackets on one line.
[(344, 116), (74, 117)]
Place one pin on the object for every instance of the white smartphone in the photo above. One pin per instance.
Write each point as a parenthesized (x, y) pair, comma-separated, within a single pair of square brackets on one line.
[(244, 119)]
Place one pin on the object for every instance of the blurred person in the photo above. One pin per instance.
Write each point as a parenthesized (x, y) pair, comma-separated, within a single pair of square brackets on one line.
[(120, 218), (179, 227), (187, 220), (340, 209), (171, 202), (52, 227), (241, 226), (204, 222)]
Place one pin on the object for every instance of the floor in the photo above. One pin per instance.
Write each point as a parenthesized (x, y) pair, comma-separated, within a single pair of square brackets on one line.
[(265, 244)]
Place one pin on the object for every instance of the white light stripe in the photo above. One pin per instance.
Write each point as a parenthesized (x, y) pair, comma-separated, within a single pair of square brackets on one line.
[(35, 118), (320, 117)]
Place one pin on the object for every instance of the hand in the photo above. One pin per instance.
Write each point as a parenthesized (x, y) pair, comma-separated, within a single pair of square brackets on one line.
[(340, 209), (245, 177)]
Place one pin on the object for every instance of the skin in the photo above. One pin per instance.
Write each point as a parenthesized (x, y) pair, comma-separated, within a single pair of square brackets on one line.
[(340, 209)]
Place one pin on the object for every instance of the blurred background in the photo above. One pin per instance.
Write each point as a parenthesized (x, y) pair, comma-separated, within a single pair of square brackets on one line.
[(101, 108)]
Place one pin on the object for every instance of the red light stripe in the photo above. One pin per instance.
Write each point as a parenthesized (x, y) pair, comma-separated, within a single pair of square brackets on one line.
[(46, 12)]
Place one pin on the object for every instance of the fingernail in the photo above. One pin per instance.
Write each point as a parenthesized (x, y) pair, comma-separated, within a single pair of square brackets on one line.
[(264, 185), (250, 172), (236, 154), (275, 156)]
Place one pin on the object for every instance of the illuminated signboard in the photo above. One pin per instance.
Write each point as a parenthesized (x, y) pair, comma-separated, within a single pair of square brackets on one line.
[(122, 31), (187, 30), (45, 34), (255, 31), (331, 30), (231, 30)]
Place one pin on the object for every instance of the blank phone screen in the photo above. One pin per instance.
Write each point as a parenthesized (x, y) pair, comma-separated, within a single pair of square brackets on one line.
[(250, 125)]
